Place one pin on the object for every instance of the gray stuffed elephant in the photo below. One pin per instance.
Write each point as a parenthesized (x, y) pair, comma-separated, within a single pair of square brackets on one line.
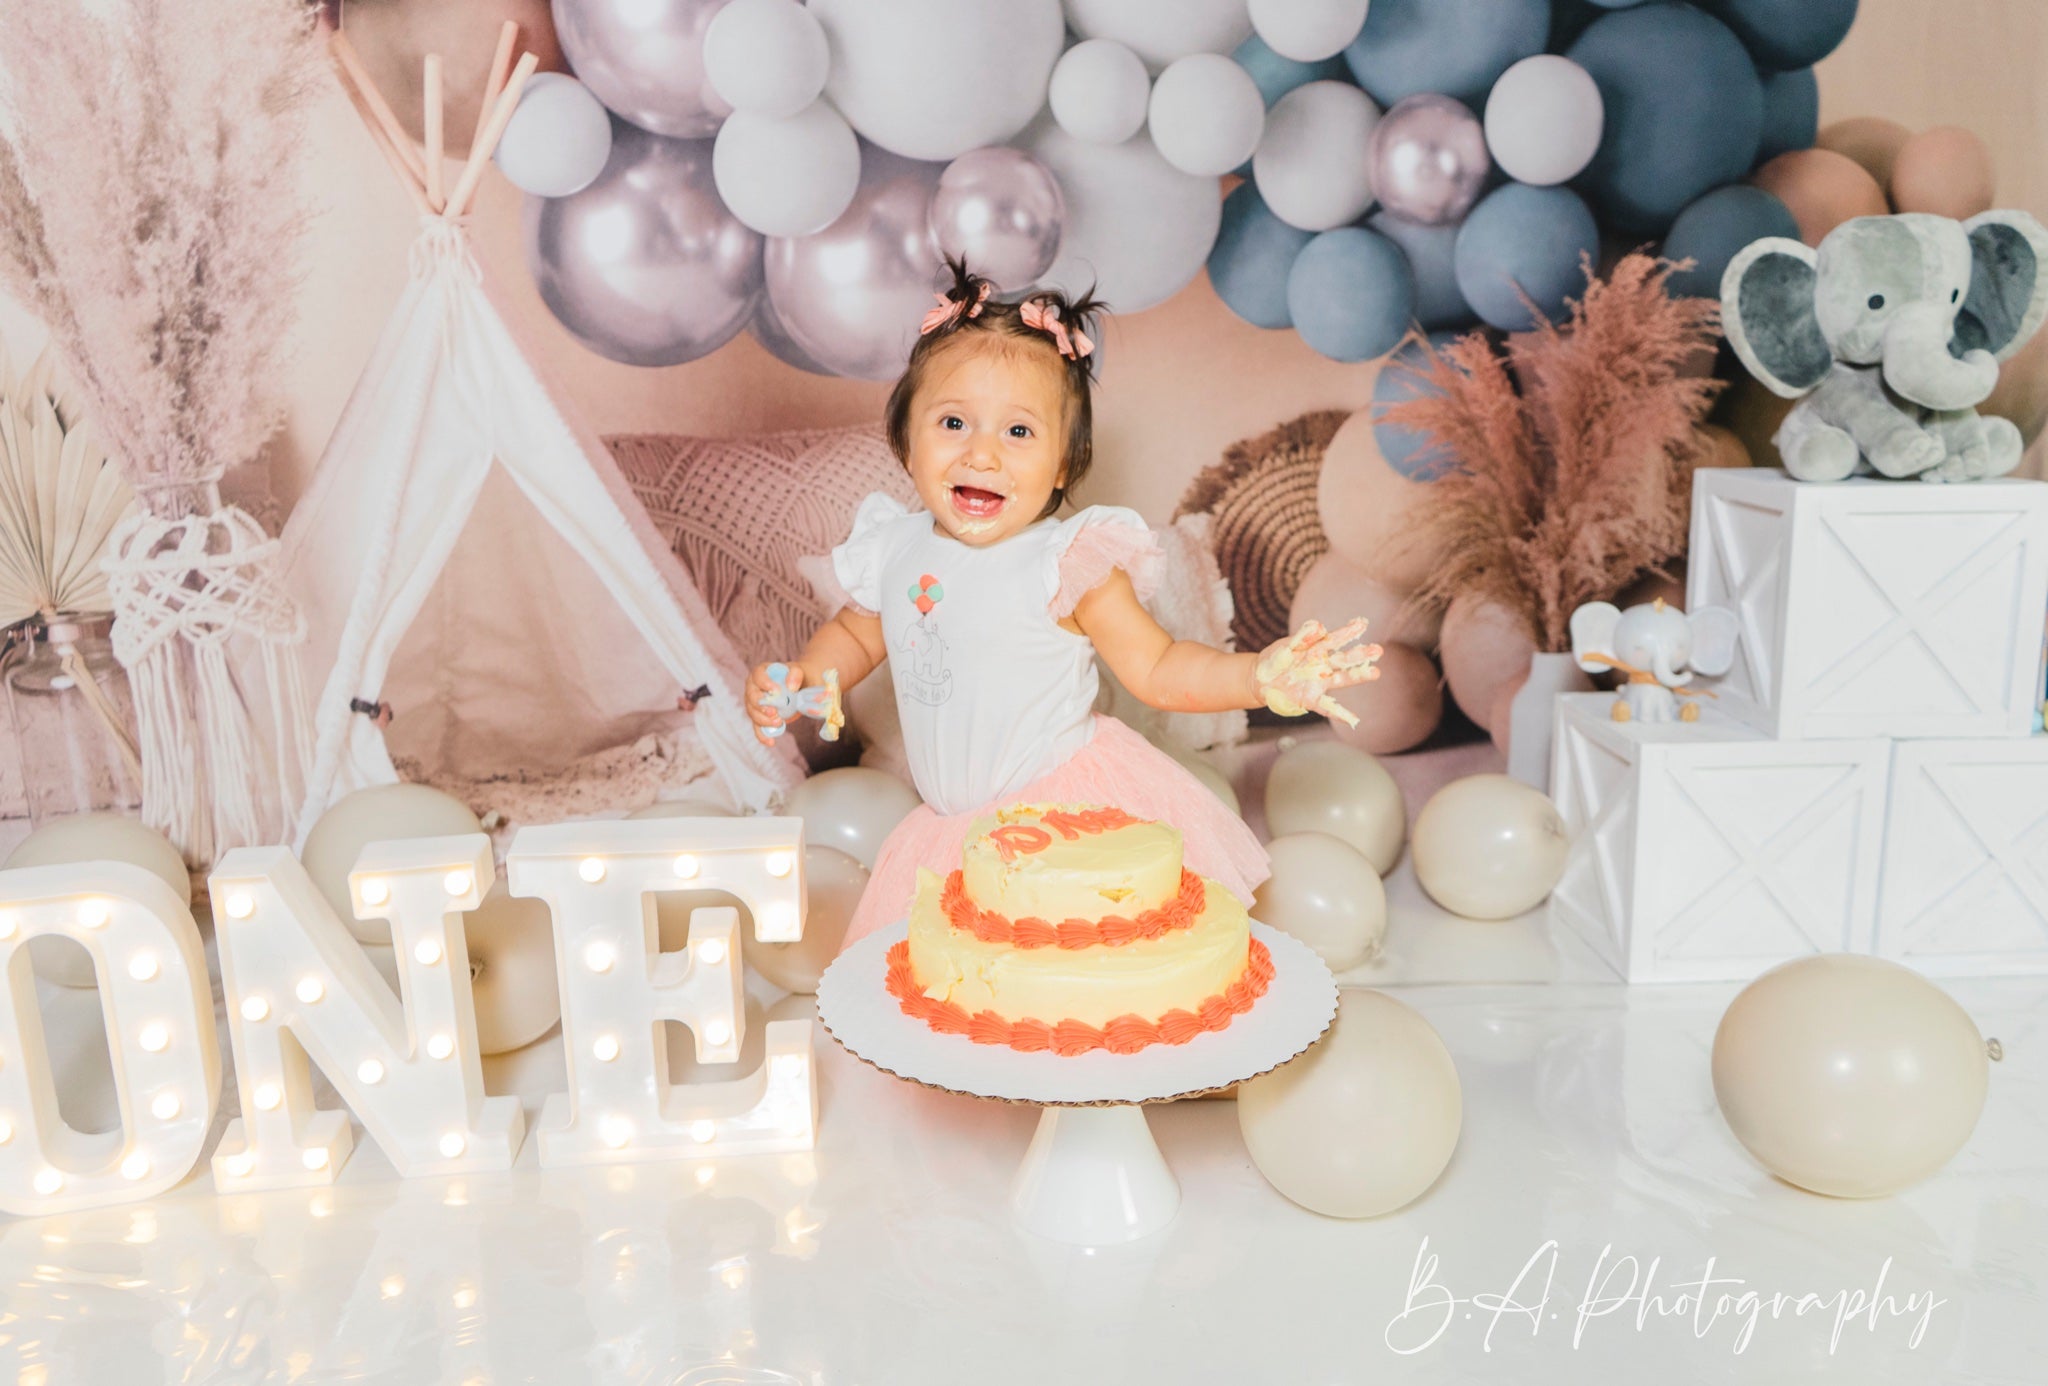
[(1893, 331)]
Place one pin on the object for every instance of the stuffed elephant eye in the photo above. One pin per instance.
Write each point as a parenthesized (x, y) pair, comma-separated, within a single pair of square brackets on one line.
[(1954, 294), (1876, 302)]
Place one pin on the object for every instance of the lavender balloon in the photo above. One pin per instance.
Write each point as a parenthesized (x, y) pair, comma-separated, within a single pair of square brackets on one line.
[(1002, 210), (645, 60), (645, 265), (1428, 159), (853, 294)]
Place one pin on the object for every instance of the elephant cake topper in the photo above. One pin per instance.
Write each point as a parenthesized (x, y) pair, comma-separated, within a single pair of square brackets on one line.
[(1890, 335), (1659, 648), (820, 700)]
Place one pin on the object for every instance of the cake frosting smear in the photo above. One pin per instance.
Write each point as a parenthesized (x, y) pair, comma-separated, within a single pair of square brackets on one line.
[(1071, 928)]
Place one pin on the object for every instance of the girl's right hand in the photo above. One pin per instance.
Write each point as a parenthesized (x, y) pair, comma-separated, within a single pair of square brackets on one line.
[(762, 686)]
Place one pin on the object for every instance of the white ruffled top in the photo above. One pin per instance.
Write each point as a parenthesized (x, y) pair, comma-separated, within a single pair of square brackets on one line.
[(993, 692)]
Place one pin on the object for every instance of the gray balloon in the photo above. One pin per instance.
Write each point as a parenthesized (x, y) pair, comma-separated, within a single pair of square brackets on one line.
[(853, 294), (1428, 159), (1001, 210), (645, 60), (645, 265)]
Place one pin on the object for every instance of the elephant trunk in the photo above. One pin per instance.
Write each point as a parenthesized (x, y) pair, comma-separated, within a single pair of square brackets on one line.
[(1667, 671), (1917, 363)]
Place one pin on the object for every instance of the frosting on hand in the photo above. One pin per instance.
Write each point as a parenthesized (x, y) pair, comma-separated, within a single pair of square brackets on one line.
[(1297, 675)]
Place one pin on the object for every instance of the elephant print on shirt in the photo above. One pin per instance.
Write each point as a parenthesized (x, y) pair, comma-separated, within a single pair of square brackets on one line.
[(925, 676)]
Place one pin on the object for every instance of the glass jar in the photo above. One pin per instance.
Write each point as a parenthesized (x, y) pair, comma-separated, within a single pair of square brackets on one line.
[(74, 720)]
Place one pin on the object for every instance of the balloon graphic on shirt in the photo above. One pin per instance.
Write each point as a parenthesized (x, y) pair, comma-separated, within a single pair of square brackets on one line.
[(926, 593)]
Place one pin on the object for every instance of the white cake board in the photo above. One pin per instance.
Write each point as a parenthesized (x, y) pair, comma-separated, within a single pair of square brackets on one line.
[(1093, 1175)]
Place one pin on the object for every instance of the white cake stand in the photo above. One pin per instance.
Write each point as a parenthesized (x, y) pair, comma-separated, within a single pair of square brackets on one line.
[(1093, 1175)]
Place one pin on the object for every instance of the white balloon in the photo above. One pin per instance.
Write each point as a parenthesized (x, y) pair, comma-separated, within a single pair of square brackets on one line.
[(1366, 1120), (96, 836), (1099, 91), (786, 177), (1320, 787), (1311, 164), (767, 57), (1203, 769), (853, 809), (511, 941), (1206, 114), (1159, 31), (1307, 31), (381, 813), (1325, 894), (1137, 227), (932, 79), (558, 138), (1543, 119), (1489, 847)]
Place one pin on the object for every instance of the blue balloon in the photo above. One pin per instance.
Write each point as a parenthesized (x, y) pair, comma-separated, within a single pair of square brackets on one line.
[(1784, 34), (1685, 111), (1412, 453), (1254, 251), (1275, 76), (1791, 113), (1456, 47), (1712, 229), (1351, 294), (1523, 240), (1438, 304)]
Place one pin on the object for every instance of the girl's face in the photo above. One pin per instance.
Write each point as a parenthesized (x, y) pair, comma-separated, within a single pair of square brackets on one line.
[(987, 440)]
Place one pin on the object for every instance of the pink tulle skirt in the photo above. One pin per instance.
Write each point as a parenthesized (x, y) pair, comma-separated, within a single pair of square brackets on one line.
[(1117, 768)]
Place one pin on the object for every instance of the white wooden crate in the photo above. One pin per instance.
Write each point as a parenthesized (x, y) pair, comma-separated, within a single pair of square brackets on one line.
[(1706, 851), (1873, 607)]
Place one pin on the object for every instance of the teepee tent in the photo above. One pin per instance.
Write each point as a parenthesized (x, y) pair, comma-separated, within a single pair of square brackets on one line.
[(470, 559)]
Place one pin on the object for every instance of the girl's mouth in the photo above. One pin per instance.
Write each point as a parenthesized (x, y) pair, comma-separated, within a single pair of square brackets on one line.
[(978, 504)]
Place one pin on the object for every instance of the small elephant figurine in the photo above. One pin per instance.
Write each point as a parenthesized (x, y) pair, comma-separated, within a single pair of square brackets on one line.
[(1892, 331), (819, 700), (1659, 647)]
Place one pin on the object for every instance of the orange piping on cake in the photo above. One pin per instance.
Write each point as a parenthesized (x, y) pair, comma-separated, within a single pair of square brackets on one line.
[(1126, 1034), (1112, 930)]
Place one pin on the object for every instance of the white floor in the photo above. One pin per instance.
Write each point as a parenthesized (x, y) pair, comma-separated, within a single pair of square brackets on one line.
[(1593, 1163)]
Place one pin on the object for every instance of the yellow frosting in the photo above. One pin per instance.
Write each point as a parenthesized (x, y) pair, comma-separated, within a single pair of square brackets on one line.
[(1180, 969), (1122, 871)]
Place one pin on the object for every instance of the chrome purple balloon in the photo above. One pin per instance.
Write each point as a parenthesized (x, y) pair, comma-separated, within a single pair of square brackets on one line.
[(645, 60), (853, 294), (1428, 159), (1002, 210), (645, 265)]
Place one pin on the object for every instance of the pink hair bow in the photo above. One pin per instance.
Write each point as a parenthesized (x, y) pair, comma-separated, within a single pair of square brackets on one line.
[(949, 310), (1044, 315)]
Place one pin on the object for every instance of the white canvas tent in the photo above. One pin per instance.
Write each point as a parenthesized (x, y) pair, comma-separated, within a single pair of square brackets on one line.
[(468, 555)]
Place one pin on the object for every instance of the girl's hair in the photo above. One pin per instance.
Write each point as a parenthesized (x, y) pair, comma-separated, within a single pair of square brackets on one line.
[(975, 311)]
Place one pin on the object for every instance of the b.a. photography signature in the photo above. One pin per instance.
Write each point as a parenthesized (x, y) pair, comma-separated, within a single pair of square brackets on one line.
[(1628, 1290)]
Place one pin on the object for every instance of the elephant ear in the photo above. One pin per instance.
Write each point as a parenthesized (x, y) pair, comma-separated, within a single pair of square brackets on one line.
[(1593, 633), (1715, 631), (1767, 310), (2008, 284)]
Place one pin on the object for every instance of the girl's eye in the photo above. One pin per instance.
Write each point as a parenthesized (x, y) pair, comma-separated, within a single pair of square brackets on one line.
[(953, 421), (1020, 431)]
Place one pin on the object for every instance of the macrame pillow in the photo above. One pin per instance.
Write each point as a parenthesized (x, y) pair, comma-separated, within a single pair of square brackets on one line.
[(740, 513)]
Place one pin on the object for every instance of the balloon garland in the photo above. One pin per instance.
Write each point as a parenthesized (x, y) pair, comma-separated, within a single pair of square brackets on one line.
[(797, 171)]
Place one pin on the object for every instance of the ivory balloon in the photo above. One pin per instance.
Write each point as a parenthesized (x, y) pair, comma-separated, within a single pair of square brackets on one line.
[(1364, 1122), (1160, 31), (1315, 787), (1822, 189), (853, 809), (1946, 171), (1307, 31), (1206, 114), (1485, 647), (511, 942), (786, 175), (1368, 509), (1398, 710), (1489, 847), (1849, 1075), (1335, 590), (766, 57), (1099, 92), (1313, 162), (559, 139), (833, 883), (1325, 894), (98, 836), (1214, 779), (381, 813)]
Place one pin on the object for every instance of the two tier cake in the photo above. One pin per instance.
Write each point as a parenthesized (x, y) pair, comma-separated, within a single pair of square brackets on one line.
[(1074, 928)]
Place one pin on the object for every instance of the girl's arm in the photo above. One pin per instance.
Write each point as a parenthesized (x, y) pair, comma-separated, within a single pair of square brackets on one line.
[(851, 642), (1293, 675)]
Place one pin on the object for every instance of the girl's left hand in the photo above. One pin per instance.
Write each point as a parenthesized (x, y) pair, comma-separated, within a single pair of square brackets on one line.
[(1297, 674)]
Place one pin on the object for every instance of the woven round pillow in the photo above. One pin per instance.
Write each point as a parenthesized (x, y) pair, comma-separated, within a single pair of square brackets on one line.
[(1264, 529)]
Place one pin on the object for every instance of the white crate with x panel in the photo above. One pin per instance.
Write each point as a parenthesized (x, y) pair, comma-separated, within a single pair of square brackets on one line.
[(1873, 607), (1707, 851)]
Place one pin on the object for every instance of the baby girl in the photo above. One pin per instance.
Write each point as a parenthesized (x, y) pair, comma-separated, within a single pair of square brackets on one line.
[(991, 611)]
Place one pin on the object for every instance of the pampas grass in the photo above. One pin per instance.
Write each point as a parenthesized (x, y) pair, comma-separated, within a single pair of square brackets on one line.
[(1575, 450)]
